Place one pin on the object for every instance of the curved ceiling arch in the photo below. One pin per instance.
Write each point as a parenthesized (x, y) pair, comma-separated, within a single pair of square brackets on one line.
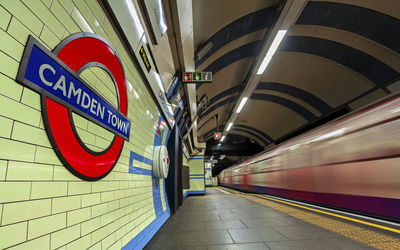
[(251, 134), (307, 97), (378, 51), (367, 23), (250, 37), (360, 62), (218, 105), (305, 113), (247, 50), (254, 21), (308, 115), (264, 135), (219, 97)]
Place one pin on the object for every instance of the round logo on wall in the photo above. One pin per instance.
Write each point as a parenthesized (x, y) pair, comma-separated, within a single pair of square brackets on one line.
[(55, 75)]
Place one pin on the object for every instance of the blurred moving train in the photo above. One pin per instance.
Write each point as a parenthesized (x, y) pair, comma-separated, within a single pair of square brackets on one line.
[(351, 164)]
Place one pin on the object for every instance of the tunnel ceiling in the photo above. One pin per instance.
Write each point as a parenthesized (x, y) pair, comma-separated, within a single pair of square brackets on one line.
[(337, 57)]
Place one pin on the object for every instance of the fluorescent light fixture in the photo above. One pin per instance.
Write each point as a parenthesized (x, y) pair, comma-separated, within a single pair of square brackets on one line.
[(158, 78), (271, 51), (134, 15), (244, 100), (223, 138), (229, 126), (163, 26)]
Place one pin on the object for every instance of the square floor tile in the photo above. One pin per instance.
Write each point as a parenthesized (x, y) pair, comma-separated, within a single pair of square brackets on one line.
[(263, 222), (223, 225), (206, 238), (248, 246), (255, 235)]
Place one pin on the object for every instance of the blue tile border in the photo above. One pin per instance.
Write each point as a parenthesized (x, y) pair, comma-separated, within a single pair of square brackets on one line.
[(141, 240), (192, 192), (197, 192), (137, 170), (138, 157)]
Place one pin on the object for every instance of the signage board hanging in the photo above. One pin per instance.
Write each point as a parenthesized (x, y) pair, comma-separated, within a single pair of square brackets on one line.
[(194, 77), (145, 59)]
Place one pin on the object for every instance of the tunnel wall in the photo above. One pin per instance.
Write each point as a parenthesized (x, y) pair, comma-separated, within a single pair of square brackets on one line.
[(42, 204)]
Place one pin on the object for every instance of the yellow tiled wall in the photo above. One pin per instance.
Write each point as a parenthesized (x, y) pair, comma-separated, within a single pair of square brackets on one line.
[(196, 168), (42, 205)]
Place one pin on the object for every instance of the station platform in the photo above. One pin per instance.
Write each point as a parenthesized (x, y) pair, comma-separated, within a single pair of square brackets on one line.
[(227, 219)]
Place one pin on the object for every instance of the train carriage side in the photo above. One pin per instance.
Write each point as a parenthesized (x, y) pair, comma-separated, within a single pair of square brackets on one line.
[(352, 164)]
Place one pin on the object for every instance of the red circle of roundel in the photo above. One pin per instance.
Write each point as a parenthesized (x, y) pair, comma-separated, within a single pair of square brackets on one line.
[(80, 51)]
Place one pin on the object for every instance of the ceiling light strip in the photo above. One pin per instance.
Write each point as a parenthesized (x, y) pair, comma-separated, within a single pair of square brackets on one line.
[(244, 100), (229, 126), (271, 51)]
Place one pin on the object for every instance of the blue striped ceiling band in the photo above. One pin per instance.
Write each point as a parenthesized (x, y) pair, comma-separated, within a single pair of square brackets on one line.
[(303, 95), (244, 25), (368, 23), (376, 71)]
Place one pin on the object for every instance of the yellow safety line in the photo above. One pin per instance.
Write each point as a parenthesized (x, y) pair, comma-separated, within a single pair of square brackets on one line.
[(368, 237), (228, 190), (332, 214), (323, 212)]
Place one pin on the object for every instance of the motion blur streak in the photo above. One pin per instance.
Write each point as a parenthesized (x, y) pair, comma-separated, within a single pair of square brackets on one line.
[(352, 164)]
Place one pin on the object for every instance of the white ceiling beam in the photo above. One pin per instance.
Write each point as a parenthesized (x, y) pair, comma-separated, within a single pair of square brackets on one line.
[(288, 17)]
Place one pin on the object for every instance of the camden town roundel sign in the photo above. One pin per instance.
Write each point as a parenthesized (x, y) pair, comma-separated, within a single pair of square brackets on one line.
[(55, 75)]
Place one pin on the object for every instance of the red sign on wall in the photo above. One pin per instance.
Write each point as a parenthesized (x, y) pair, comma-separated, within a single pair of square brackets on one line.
[(217, 135), (55, 75)]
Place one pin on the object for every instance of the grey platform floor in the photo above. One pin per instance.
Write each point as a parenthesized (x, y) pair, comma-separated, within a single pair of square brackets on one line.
[(219, 221)]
